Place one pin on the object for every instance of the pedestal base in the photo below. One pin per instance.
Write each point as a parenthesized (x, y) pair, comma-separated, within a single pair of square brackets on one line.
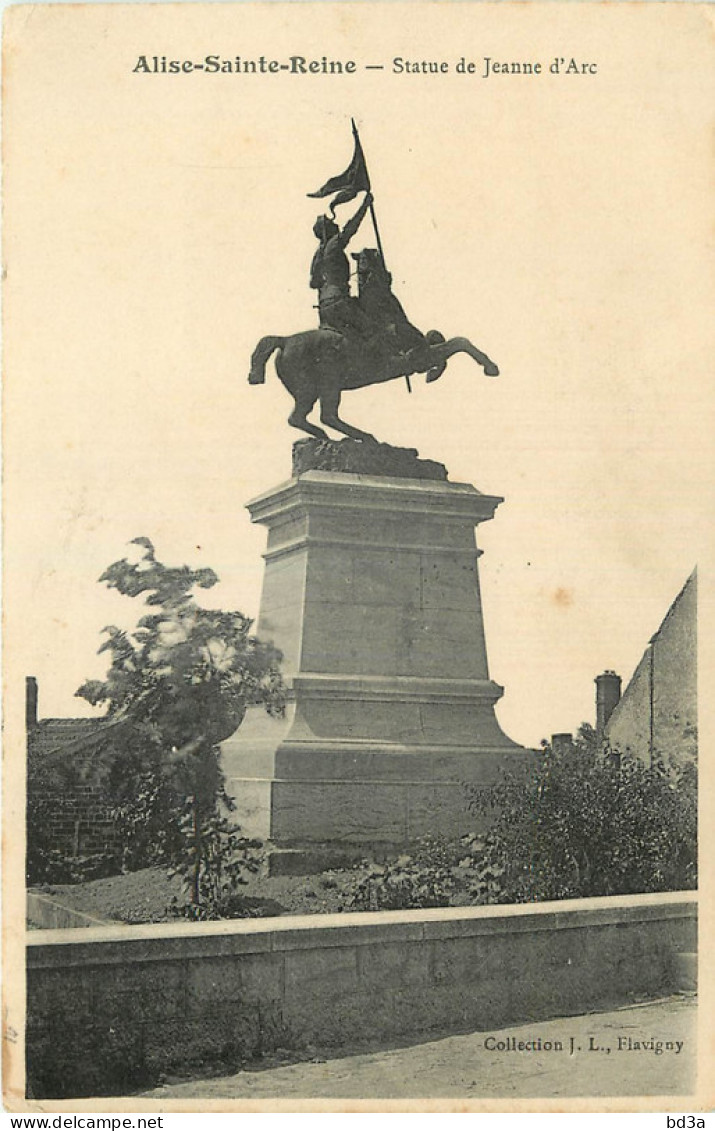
[(371, 591), (295, 790)]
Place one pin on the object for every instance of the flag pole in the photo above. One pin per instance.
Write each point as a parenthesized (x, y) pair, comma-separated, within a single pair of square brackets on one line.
[(373, 217)]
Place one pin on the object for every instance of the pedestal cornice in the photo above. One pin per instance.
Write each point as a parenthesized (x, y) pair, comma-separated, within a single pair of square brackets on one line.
[(406, 689), (343, 491)]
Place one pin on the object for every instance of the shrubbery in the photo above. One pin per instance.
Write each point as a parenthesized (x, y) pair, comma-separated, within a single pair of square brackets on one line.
[(424, 878), (587, 822), (577, 822), (437, 872), (226, 857)]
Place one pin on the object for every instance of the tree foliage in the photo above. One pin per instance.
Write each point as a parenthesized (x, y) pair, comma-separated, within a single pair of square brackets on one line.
[(584, 822), (186, 674), (177, 686)]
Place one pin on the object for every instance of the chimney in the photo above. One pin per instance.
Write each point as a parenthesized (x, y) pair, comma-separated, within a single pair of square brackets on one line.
[(608, 694), (30, 702), (561, 743)]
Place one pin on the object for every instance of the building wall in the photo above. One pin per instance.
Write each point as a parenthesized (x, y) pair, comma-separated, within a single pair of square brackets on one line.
[(110, 1009), (66, 791), (657, 714), (628, 728)]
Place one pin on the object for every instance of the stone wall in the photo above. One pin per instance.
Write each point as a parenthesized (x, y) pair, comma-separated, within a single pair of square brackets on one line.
[(46, 913), (112, 1009)]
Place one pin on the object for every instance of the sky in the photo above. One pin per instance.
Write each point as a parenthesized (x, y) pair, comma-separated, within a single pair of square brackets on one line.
[(156, 226)]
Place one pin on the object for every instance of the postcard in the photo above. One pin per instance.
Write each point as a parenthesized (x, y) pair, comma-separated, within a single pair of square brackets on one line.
[(322, 804)]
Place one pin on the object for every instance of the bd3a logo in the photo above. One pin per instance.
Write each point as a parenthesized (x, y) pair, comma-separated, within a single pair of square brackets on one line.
[(684, 1121)]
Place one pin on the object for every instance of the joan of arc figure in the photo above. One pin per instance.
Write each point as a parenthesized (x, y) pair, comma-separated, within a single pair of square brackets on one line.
[(330, 275), (363, 339)]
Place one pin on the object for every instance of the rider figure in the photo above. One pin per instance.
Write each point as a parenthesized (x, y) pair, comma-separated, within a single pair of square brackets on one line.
[(330, 275)]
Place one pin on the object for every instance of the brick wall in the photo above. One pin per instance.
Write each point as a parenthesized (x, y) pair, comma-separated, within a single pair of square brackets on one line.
[(67, 802), (77, 821)]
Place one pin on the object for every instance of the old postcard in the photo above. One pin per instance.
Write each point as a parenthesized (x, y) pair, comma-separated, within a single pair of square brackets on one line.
[(318, 802)]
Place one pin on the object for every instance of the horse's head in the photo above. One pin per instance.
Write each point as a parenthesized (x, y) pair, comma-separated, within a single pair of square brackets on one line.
[(371, 270)]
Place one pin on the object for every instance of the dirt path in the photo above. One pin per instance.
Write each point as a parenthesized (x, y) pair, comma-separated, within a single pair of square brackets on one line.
[(601, 1054)]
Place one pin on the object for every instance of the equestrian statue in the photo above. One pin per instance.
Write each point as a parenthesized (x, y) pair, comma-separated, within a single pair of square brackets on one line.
[(362, 339)]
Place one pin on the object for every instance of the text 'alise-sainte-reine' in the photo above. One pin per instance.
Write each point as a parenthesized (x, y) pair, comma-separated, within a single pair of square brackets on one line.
[(301, 65)]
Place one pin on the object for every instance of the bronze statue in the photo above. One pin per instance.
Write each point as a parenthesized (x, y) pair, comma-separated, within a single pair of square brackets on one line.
[(390, 330), (330, 274), (363, 339), (319, 365)]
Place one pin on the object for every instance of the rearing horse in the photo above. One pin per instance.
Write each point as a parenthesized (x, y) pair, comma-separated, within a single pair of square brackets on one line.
[(319, 365)]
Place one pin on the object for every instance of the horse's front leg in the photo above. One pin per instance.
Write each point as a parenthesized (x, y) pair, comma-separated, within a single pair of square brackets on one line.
[(490, 369), (329, 405), (435, 372), (463, 345)]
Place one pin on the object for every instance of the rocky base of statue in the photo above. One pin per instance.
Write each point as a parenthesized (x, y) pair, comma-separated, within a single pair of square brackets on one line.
[(361, 457)]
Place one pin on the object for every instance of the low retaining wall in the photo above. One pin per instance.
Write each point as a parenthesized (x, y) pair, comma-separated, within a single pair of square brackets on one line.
[(110, 1010), (45, 912)]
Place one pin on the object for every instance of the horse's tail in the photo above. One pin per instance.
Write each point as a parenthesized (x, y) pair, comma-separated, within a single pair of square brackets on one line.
[(260, 356)]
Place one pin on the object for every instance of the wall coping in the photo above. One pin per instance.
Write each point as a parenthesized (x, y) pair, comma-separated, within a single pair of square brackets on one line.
[(159, 941)]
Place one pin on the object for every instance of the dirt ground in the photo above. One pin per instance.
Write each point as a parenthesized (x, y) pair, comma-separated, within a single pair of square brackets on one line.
[(600, 1054), (145, 896)]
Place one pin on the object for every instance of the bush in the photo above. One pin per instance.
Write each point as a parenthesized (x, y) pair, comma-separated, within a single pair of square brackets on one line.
[(588, 822), (425, 878), (226, 857), (53, 866), (577, 822)]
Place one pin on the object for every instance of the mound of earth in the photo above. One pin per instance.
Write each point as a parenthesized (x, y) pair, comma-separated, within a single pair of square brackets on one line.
[(146, 896)]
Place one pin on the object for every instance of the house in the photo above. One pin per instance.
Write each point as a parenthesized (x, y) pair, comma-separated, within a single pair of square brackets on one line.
[(65, 787), (656, 716)]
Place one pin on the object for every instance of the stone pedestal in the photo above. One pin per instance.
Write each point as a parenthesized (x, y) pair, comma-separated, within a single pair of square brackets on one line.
[(371, 591)]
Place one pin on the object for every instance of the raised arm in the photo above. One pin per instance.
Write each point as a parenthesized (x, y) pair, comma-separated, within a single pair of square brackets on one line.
[(355, 221)]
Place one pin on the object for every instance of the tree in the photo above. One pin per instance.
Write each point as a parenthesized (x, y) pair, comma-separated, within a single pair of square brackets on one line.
[(583, 822), (177, 686)]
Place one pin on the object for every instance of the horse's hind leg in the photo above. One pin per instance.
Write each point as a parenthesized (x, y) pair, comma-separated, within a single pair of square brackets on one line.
[(329, 405), (303, 405)]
